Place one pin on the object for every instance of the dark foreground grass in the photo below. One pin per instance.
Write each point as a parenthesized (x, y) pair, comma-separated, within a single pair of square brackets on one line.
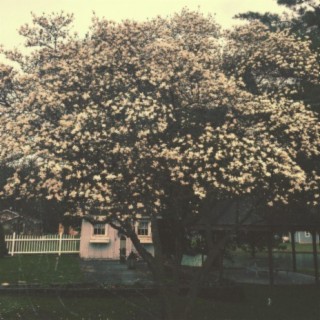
[(41, 269), (287, 302)]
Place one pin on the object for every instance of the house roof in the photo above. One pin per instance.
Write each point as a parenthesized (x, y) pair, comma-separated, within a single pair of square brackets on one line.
[(104, 218), (8, 215), (246, 215)]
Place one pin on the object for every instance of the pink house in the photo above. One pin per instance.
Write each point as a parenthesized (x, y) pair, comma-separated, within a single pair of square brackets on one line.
[(100, 241)]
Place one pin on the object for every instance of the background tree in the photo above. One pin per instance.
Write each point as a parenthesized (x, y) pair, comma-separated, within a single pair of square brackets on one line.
[(303, 20), (300, 20)]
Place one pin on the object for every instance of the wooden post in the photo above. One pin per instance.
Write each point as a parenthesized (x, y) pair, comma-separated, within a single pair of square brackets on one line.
[(221, 265), (60, 244), (13, 243), (315, 256), (270, 256), (293, 250)]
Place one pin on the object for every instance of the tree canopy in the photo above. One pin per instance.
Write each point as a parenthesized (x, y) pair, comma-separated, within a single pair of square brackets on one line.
[(106, 122)]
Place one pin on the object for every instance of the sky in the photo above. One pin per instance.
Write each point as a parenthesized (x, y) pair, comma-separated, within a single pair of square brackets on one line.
[(14, 13)]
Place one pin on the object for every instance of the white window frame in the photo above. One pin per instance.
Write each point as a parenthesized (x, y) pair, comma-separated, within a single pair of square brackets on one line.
[(144, 236), (99, 236), (145, 228), (307, 234), (101, 228)]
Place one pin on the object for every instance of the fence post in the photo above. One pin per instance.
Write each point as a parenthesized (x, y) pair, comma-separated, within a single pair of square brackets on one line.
[(13, 243), (60, 243)]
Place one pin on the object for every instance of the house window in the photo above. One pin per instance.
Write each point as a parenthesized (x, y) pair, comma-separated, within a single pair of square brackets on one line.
[(307, 234), (143, 228), (99, 229)]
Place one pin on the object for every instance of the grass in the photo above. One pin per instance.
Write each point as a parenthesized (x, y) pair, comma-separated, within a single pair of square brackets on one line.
[(42, 269), (300, 247), (288, 302), (282, 258), (286, 247), (48, 269), (54, 308)]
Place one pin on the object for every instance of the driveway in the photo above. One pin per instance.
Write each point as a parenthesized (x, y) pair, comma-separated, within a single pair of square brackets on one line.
[(109, 272)]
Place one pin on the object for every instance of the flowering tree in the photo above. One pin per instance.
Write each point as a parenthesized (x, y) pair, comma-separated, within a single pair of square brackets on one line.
[(137, 118)]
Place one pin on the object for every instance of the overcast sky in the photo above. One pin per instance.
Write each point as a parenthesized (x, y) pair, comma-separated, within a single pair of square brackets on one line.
[(14, 13)]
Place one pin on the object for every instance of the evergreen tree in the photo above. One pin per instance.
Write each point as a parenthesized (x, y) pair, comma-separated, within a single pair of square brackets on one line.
[(303, 20)]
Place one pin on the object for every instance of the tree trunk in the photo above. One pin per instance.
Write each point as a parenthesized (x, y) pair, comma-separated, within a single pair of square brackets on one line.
[(213, 254), (3, 247), (156, 265), (293, 250), (270, 258), (221, 265), (159, 273), (315, 256), (253, 250)]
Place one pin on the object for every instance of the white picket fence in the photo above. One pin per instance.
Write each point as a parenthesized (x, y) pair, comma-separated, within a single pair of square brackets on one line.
[(56, 243)]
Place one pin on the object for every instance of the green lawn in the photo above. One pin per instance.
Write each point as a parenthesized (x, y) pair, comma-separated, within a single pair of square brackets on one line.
[(282, 258), (292, 303), (286, 247), (42, 269), (300, 247)]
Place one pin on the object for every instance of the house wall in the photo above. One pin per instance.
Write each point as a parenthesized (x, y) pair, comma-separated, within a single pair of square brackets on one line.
[(110, 250), (150, 248), (304, 237)]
